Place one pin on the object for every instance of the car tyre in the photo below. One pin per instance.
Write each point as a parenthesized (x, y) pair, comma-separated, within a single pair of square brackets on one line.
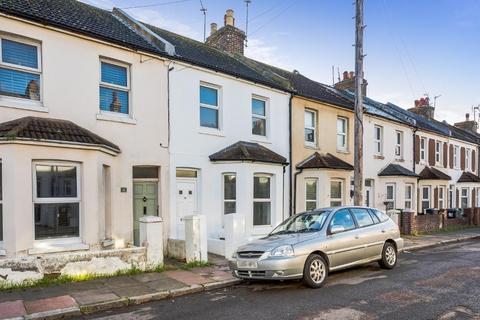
[(389, 256), (315, 271)]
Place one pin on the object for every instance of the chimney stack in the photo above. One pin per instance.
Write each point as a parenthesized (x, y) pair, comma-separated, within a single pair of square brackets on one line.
[(228, 38), (470, 125), (348, 83), (423, 108)]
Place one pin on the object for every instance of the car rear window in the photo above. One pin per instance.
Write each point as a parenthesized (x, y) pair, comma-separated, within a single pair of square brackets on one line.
[(380, 215), (362, 216)]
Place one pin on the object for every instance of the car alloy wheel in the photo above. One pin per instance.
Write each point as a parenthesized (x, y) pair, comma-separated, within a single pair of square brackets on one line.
[(315, 271), (389, 256)]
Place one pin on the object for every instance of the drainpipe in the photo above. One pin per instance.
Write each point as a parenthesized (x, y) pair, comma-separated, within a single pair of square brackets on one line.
[(290, 169), (295, 187), (283, 194), (414, 153), (170, 68)]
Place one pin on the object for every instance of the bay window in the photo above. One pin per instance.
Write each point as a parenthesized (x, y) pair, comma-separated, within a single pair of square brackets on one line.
[(259, 117), (342, 134), (451, 196), (114, 87), (209, 107), (408, 196), (441, 197), (464, 196), (336, 193), (56, 200), (229, 193), (390, 197), (311, 186), (426, 191), (262, 201), (20, 68), (310, 121)]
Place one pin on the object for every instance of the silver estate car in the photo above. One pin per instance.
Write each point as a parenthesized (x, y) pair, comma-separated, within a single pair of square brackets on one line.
[(310, 244)]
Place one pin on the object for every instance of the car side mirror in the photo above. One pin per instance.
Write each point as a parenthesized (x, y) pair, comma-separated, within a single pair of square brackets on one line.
[(336, 228)]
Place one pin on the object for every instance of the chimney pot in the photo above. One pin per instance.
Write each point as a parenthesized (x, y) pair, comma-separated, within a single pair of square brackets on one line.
[(417, 103), (467, 117), (229, 19), (213, 28), (345, 75), (351, 74)]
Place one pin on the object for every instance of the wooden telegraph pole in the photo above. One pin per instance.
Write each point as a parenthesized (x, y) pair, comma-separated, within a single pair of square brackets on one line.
[(358, 151)]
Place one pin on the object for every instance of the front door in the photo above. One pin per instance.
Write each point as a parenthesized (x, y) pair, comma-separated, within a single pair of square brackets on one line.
[(145, 203), (186, 203)]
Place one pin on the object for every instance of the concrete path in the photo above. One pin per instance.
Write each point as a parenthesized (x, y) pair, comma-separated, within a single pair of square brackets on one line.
[(73, 299)]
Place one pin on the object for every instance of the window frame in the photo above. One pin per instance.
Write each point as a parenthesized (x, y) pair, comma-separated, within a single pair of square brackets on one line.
[(77, 199), (314, 128), (269, 200), (452, 196), (429, 199), (374, 222), (38, 71), (218, 107), (265, 117), (438, 152), (223, 192), (399, 145), (468, 159), (107, 85), (409, 199), (394, 196), (342, 192), (441, 197), (344, 134), (378, 142), (423, 149), (456, 157), (316, 192), (462, 197), (330, 222)]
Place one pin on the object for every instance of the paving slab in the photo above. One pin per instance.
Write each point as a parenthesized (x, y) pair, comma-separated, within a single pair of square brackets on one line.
[(42, 305), (165, 283), (94, 296), (133, 291), (84, 285), (187, 277), (12, 309), (10, 295), (42, 293), (148, 277), (120, 282)]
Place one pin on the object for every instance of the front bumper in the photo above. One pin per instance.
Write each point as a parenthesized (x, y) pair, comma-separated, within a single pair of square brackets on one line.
[(399, 243), (273, 268)]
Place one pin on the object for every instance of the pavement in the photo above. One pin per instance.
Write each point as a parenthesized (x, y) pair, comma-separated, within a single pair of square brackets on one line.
[(105, 294)]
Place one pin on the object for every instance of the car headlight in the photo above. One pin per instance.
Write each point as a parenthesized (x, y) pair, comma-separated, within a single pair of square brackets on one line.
[(282, 251)]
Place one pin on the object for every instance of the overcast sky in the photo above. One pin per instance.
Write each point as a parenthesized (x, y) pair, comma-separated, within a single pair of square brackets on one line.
[(413, 47)]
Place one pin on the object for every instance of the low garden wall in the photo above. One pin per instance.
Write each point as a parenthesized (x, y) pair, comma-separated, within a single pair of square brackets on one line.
[(411, 223)]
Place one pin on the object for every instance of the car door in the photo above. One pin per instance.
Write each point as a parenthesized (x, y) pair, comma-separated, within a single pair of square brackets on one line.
[(369, 233), (343, 247)]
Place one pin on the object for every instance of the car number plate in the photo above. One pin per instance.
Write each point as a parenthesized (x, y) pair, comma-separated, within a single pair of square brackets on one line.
[(247, 264)]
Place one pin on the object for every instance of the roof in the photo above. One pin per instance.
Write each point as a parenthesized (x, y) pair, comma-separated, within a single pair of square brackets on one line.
[(430, 173), (52, 130), (78, 17), (324, 161), (396, 170), (468, 177), (248, 151)]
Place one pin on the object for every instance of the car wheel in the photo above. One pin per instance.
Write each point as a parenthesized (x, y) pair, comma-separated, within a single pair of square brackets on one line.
[(315, 271), (389, 256)]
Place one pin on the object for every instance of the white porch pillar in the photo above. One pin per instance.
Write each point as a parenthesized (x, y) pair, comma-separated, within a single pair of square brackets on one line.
[(151, 237), (195, 238)]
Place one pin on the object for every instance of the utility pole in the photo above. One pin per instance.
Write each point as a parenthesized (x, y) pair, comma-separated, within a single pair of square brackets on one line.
[(358, 149)]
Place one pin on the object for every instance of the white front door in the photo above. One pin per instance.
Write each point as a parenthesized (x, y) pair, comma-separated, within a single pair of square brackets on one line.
[(186, 203)]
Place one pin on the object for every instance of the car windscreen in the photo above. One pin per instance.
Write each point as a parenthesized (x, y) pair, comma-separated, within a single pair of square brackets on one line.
[(311, 221)]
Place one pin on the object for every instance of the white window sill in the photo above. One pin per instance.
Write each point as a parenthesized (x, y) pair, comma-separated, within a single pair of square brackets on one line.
[(55, 247), (311, 146), (211, 132), (261, 139), (116, 118), (343, 151), (23, 104), (3, 252)]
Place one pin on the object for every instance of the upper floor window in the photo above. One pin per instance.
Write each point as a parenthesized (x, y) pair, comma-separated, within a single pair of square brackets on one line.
[(114, 87), (310, 127), (378, 140), (468, 158), (398, 144), (259, 117), (456, 157), (20, 69), (438, 152), (423, 149), (209, 107), (342, 134)]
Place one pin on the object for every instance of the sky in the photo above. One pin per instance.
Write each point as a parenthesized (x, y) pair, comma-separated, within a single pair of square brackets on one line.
[(412, 47)]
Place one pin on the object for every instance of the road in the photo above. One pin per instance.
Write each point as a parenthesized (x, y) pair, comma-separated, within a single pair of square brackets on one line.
[(440, 283)]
